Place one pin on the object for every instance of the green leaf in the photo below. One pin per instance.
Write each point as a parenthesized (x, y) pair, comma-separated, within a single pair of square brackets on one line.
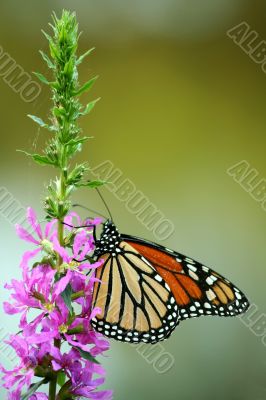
[(66, 296), (74, 142), (61, 378), (87, 86), (38, 158), (64, 391), (47, 60), (87, 356), (54, 50), (92, 184), (38, 120), (81, 58), (33, 388), (42, 160), (41, 77), (89, 107), (42, 124), (46, 260), (59, 112), (69, 68), (48, 37)]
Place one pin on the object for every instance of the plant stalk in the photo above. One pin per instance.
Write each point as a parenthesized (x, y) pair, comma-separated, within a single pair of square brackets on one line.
[(60, 232)]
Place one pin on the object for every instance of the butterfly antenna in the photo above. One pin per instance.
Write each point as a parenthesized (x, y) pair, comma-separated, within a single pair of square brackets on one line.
[(89, 209), (105, 204)]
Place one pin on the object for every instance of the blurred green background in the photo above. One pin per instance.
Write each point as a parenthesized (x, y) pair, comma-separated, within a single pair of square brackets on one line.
[(180, 104)]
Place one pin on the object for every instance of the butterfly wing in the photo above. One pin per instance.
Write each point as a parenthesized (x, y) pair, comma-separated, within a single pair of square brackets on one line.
[(136, 303), (197, 289)]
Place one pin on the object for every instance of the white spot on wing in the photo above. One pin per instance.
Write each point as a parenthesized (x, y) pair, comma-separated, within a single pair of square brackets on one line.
[(193, 275), (192, 268), (210, 294), (169, 250)]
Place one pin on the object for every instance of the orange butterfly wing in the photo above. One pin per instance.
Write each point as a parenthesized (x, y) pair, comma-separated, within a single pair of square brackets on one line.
[(136, 303), (197, 289)]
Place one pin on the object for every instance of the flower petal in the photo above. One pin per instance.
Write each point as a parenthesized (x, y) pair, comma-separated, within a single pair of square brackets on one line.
[(27, 256), (10, 308), (95, 311), (41, 337), (60, 285), (49, 227), (60, 250), (32, 220), (25, 235)]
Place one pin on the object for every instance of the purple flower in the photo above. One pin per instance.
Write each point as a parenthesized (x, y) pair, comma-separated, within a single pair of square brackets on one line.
[(15, 395), (73, 219), (39, 396), (65, 361), (83, 244), (81, 373), (32, 220), (38, 290), (83, 383), (47, 288), (21, 376), (40, 239)]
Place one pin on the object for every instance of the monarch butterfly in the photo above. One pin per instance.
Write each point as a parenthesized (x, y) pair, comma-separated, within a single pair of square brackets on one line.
[(144, 290)]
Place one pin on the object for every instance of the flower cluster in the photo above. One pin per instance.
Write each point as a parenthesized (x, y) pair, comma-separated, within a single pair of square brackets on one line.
[(54, 299)]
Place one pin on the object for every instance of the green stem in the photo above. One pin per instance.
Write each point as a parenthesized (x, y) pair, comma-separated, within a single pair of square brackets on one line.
[(60, 232), (52, 389)]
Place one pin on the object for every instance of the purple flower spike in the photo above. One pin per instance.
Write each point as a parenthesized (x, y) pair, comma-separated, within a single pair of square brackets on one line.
[(46, 288)]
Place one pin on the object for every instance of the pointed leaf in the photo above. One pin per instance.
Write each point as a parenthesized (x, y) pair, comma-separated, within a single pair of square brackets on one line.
[(87, 86), (38, 158), (64, 391), (66, 296), (42, 124), (38, 120), (48, 37), (78, 141), (93, 184), (69, 67), (41, 77), (89, 107), (81, 58), (59, 112), (33, 388), (47, 60), (54, 50), (61, 378), (87, 356), (42, 160)]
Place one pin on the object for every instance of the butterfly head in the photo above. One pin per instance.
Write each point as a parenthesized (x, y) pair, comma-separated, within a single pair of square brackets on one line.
[(109, 239)]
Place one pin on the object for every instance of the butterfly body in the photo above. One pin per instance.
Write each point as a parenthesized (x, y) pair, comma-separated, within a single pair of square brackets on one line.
[(145, 289), (109, 240)]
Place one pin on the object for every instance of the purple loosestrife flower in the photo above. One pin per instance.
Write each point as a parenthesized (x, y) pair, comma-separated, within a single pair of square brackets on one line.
[(42, 289), (81, 373), (41, 239), (73, 219), (83, 244), (83, 383), (38, 290), (30, 357)]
